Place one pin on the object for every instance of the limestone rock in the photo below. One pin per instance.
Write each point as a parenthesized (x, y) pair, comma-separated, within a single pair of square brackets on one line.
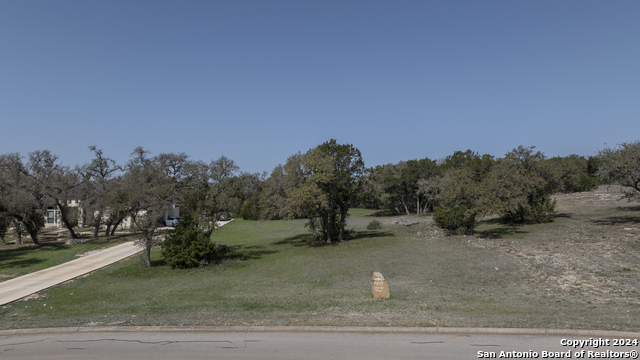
[(379, 288)]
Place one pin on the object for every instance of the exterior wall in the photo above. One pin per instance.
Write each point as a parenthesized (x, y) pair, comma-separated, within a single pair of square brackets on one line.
[(173, 210), (52, 215), (127, 221)]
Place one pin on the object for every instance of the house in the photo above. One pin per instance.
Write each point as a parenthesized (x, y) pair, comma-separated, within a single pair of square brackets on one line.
[(53, 219)]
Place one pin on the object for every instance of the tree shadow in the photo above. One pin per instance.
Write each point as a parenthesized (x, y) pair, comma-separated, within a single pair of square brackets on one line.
[(307, 239), (382, 213), (109, 238), (300, 240), (501, 232), (19, 263), (370, 234), (617, 220), (11, 257), (563, 215), (252, 252), (158, 262), (629, 208)]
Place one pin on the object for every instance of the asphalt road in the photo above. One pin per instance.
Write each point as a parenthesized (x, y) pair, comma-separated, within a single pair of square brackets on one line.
[(287, 345)]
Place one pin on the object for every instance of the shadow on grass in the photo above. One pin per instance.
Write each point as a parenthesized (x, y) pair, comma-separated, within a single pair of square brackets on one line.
[(382, 213), (628, 208), (617, 220), (501, 232), (12, 257), (563, 215), (307, 239), (21, 256), (158, 262), (370, 234), (19, 263), (110, 237), (253, 252), (300, 240)]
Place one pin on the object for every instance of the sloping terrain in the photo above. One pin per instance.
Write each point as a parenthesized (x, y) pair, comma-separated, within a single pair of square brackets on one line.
[(581, 271)]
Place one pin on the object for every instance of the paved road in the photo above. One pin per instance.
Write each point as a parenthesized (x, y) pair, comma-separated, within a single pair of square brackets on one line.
[(15, 289), (282, 345)]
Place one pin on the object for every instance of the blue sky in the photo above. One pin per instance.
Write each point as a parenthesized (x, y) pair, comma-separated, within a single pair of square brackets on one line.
[(260, 80)]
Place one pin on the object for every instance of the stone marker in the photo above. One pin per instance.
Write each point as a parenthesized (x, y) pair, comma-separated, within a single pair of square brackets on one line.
[(379, 288)]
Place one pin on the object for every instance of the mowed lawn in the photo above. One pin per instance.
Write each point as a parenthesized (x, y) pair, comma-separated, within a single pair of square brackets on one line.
[(276, 275)]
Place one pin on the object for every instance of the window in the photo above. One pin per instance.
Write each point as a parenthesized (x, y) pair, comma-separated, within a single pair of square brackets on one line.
[(51, 217)]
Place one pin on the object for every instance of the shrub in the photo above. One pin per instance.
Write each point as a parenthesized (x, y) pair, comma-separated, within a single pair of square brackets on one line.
[(374, 225), (538, 209), (189, 246), (452, 218), (250, 210)]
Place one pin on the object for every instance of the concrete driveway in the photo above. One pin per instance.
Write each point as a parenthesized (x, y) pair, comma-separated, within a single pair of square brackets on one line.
[(15, 289)]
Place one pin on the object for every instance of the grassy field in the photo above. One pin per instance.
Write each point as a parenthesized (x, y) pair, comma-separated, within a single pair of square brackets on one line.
[(581, 271)]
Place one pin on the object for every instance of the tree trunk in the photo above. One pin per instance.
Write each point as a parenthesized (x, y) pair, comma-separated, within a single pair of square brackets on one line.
[(471, 224), (67, 224), (406, 209), (65, 220), (96, 223), (325, 220), (147, 256), (2, 238), (19, 236), (418, 206), (106, 233), (34, 235), (343, 221), (115, 226), (312, 225)]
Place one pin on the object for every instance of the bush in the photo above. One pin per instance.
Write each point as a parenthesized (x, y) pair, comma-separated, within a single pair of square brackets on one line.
[(539, 209), (250, 211), (374, 225), (452, 218), (189, 246)]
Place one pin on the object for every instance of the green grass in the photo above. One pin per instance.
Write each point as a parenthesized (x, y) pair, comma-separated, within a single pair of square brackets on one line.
[(276, 275), (26, 258)]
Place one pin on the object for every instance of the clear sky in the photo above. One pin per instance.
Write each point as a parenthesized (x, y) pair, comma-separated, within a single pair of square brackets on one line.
[(260, 80)]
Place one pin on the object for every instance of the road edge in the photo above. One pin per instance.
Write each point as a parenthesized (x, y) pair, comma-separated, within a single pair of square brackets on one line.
[(328, 329)]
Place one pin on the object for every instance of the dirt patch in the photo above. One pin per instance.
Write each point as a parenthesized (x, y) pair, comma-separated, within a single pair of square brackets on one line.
[(590, 255), (35, 296)]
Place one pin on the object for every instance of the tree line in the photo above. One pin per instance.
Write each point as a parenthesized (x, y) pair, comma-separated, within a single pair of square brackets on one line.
[(466, 186), (108, 192), (320, 185)]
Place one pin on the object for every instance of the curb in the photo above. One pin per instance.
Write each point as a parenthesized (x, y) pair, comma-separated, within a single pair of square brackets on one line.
[(326, 329)]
